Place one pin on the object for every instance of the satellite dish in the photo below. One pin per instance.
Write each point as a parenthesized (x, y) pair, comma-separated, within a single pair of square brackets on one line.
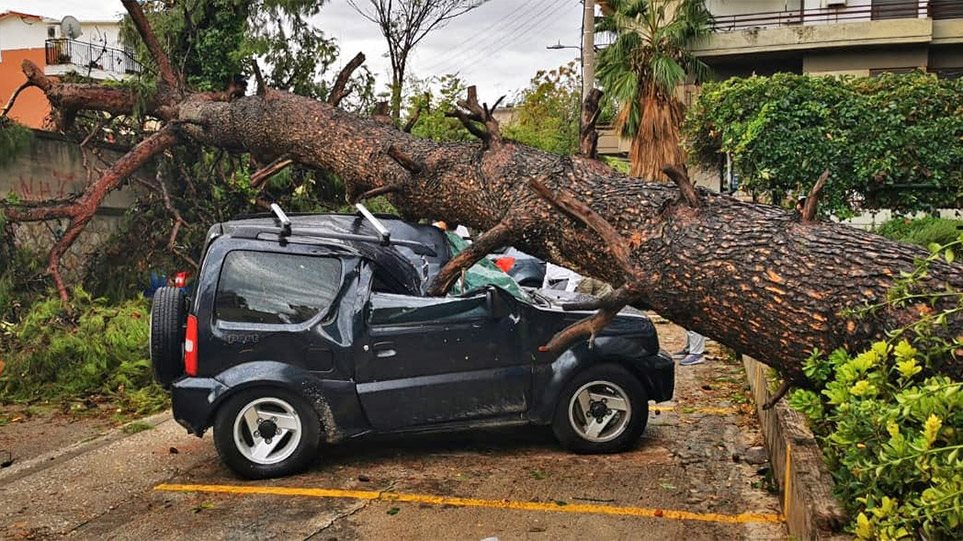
[(70, 27)]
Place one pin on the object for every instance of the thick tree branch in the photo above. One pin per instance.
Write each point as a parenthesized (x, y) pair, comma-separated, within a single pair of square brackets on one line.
[(381, 190), (13, 97), (84, 209), (261, 175), (262, 87), (812, 202), (777, 396), (410, 164), (496, 237), (164, 68), (588, 135), (580, 212), (681, 179), (472, 111), (413, 119), (340, 88)]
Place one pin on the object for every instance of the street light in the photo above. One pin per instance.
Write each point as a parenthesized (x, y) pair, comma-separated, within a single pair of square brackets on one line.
[(559, 45)]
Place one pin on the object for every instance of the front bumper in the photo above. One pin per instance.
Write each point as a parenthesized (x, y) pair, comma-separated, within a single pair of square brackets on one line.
[(192, 400), (659, 376)]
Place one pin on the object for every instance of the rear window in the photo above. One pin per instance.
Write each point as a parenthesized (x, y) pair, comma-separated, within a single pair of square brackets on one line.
[(264, 287)]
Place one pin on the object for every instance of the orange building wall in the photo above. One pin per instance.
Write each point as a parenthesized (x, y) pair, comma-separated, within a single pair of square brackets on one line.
[(32, 106)]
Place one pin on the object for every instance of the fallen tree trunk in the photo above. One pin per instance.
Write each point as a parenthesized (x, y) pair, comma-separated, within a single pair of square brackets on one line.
[(764, 282)]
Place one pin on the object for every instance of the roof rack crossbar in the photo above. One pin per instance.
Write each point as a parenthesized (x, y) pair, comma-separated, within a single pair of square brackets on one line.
[(281, 219), (379, 227), (253, 232)]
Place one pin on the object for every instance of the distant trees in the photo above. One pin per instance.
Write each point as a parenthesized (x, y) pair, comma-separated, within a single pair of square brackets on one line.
[(546, 114), (404, 23)]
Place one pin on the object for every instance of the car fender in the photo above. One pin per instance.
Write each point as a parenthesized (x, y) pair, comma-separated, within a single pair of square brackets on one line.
[(335, 401), (550, 379)]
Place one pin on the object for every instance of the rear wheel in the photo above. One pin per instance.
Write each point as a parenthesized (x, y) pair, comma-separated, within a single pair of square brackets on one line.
[(603, 409), (168, 314), (267, 432)]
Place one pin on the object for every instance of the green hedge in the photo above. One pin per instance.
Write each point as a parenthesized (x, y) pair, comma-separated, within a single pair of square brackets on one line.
[(894, 141)]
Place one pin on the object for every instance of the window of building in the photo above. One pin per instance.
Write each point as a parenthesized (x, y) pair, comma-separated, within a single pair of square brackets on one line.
[(880, 71), (894, 9), (51, 31), (948, 73), (273, 288)]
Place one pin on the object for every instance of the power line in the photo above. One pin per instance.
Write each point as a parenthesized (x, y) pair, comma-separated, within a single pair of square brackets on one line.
[(516, 31), (468, 44), (506, 32)]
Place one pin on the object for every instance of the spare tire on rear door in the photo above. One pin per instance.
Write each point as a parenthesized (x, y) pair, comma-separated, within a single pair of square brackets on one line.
[(168, 316)]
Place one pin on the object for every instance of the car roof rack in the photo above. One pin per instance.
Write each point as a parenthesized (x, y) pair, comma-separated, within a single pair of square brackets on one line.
[(286, 232)]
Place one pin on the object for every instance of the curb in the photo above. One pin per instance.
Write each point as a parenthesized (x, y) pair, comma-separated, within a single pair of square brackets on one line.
[(806, 485), (59, 456)]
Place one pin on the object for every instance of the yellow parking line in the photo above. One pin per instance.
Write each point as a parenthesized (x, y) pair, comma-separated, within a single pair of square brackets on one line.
[(558, 507), (711, 411)]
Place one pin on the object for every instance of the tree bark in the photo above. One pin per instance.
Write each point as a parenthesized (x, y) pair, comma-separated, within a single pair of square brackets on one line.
[(753, 277)]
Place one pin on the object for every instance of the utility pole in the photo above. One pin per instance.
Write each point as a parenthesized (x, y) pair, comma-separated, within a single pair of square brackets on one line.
[(588, 47)]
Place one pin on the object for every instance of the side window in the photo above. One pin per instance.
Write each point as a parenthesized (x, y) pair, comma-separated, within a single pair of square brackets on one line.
[(265, 287), (388, 309)]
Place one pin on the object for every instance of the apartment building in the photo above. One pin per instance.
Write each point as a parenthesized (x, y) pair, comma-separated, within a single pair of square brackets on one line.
[(93, 50), (824, 37), (854, 37)]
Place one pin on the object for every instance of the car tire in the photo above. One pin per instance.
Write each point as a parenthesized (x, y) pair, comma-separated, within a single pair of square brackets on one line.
[(168, 315), (291, 446), (618, 411)]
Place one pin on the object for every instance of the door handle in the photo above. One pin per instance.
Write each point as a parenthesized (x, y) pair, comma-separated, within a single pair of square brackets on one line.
[(384, 349)]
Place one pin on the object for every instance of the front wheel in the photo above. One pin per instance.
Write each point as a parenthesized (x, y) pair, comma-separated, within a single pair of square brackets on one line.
[(263, 433), (603, 409)]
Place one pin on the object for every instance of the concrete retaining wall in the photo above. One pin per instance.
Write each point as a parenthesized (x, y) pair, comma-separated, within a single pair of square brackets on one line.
[(53, 167), (810, 509)]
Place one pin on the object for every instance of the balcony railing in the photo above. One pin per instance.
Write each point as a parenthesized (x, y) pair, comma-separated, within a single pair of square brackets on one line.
[(910, 9), (90, 56)]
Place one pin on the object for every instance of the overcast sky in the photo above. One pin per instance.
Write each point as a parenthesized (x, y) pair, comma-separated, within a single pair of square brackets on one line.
[(498, 46)]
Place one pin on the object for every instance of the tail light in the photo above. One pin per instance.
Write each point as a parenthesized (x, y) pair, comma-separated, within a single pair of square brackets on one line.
[(190, 346), (505, 263)]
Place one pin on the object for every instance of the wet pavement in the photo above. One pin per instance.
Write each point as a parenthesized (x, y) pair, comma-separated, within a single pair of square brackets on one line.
[(688, 478)]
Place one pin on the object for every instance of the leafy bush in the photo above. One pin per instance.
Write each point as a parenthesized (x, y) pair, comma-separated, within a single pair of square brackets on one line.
[(91, 348), (922, 231), (14, 138), (889, 142), (890, 419)]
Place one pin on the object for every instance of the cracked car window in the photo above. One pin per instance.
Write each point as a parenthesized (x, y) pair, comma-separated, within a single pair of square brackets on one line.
[(264, 287)]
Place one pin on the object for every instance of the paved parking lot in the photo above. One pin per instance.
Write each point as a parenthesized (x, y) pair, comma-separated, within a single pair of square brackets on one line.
[(688, 478)]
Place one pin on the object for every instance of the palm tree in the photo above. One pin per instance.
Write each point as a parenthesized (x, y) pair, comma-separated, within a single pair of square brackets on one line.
[(641, 70)]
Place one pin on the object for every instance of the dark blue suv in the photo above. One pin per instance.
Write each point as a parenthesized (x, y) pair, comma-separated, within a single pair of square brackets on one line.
[(316, 328)]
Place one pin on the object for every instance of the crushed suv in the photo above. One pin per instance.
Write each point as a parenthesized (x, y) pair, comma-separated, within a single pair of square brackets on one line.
[(317, 328)]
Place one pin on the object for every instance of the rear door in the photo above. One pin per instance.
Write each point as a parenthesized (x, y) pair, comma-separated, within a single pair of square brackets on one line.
[(266, 305), (431, 360)]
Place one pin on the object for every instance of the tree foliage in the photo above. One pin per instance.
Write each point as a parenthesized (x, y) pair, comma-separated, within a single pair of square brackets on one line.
[(431, 100), (641, 69), (404, 23), (546, 113), (889, 142), (88, 348)]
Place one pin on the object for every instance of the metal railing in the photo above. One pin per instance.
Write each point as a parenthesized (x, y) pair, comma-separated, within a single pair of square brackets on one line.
[(90, 56), (910, 9)]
